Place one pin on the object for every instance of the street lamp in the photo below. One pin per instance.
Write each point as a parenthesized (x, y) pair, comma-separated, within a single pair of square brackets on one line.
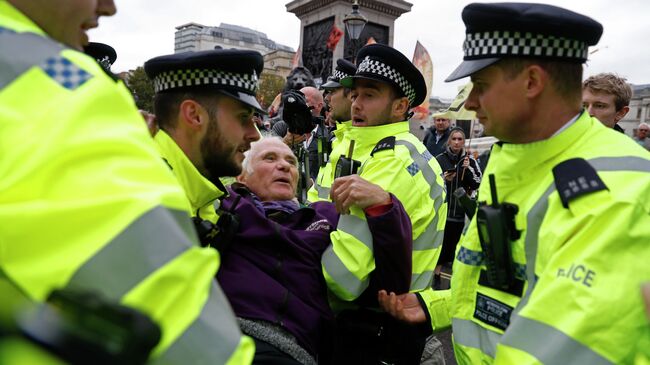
[(354, 24)]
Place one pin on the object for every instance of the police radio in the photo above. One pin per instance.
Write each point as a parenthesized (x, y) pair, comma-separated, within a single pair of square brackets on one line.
[(496, 230), (346, 165)]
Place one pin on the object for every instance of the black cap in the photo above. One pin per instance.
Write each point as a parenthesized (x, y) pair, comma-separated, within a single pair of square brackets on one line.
[(383, 63), (506, 30), (229, 71), (344, 68), (103, 53)]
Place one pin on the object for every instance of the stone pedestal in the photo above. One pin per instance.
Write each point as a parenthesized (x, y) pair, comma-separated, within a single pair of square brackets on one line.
[(317, 18)]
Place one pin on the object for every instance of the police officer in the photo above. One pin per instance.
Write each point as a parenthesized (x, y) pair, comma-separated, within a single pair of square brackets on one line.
[(573, 250), (86, 202), (384, 88), (204, 107), (338, 97)]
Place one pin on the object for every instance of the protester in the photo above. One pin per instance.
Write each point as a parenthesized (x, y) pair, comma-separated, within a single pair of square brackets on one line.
[(564, 192), (435, 139), (271, 273), (86, 203), (460, 171)]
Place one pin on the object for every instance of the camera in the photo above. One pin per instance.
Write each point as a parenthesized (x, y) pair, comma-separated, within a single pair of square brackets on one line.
[(297, 114)]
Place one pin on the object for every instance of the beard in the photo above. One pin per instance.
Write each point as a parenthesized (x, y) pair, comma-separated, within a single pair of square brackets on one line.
[(218, 154)]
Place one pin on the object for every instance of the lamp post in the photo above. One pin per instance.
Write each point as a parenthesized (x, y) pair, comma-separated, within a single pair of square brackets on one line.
[(354, 24)]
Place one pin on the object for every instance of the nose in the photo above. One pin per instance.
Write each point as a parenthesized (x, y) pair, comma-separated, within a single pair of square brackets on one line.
[(471, 103), (252, 134), (106, 7)]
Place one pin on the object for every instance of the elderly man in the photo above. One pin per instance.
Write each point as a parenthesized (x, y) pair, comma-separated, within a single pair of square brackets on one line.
[(607, 98), (552, 264), (86, 202), (271, 273), (642, 135), (436, 137)]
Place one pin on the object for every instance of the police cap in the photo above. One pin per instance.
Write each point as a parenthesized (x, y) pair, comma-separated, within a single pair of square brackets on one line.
[(227, 71), (103, 53), (505, 30), (386, 64), (344, 68)]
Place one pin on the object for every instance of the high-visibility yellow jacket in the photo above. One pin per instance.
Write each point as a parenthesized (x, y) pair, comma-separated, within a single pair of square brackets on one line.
[(581, 264), (202, 194), (86, 201), (409, 172), (320, 191)]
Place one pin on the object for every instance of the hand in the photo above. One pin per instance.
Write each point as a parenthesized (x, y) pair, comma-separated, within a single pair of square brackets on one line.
[(404, 307), (354, 190), (466, 161), (449, 175), (291, 139)]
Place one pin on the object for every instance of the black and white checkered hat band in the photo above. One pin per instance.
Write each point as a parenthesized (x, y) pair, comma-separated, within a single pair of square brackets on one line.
[(198, 77), (508, 43), (378, 68), (338, 75)]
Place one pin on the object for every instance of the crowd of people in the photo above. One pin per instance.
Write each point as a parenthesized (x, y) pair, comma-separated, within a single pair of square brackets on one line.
[(206, 233)]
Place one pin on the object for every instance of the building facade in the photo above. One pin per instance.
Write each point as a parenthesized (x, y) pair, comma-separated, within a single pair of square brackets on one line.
[(198, 37), (639, 109)]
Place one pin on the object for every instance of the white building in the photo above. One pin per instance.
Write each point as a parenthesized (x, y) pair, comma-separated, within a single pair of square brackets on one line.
[(197, 37), (639, 109)]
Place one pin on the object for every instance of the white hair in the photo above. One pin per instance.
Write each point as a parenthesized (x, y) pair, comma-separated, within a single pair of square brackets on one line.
[(247, 166)]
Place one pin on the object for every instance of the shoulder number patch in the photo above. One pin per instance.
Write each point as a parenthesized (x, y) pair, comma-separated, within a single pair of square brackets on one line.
[(387, 143), (574, 178)]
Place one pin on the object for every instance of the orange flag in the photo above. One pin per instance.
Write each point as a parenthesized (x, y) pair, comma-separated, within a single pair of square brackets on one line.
[(422, 61)]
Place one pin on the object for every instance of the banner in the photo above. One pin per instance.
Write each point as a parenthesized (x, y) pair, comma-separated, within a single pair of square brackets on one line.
[(457, 108), (334, 37), (422, 61)]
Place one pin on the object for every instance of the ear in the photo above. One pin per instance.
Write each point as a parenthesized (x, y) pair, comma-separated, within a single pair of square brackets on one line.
[(399, 108), (192, 114), (241, 178), (536, 80), (621, 113)]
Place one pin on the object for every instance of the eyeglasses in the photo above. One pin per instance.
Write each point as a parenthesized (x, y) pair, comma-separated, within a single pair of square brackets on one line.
[(644, 130)]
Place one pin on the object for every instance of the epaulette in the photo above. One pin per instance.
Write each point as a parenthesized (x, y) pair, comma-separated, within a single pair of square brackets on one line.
[(387, 143), (575, 178)]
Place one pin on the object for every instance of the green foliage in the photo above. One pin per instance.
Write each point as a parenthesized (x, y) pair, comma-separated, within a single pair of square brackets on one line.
[(142, 89), (270, 87)]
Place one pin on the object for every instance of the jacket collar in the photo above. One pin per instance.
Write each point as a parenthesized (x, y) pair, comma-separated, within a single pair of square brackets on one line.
[(199, 190)]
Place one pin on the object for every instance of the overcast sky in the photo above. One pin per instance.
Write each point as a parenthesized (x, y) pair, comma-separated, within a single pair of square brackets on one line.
[(143, 29)]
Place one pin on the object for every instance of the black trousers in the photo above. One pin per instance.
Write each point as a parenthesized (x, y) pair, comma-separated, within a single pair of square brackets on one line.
[(368, 337), (267, 354)]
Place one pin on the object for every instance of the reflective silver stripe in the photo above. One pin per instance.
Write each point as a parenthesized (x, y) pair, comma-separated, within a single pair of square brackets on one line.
[(421, 281), (549, 345), (431, 238), (148, 243), (323, 193), (341, 275), (22, 51), (211, 339), (470, 334), (626, 163), (423, 164), (357, 228)]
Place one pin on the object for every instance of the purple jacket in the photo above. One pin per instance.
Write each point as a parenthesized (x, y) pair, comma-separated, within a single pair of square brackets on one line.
[(272, 270)]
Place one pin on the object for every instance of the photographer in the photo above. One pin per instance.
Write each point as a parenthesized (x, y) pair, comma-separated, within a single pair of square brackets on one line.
[(306, 133), (460, 171)]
